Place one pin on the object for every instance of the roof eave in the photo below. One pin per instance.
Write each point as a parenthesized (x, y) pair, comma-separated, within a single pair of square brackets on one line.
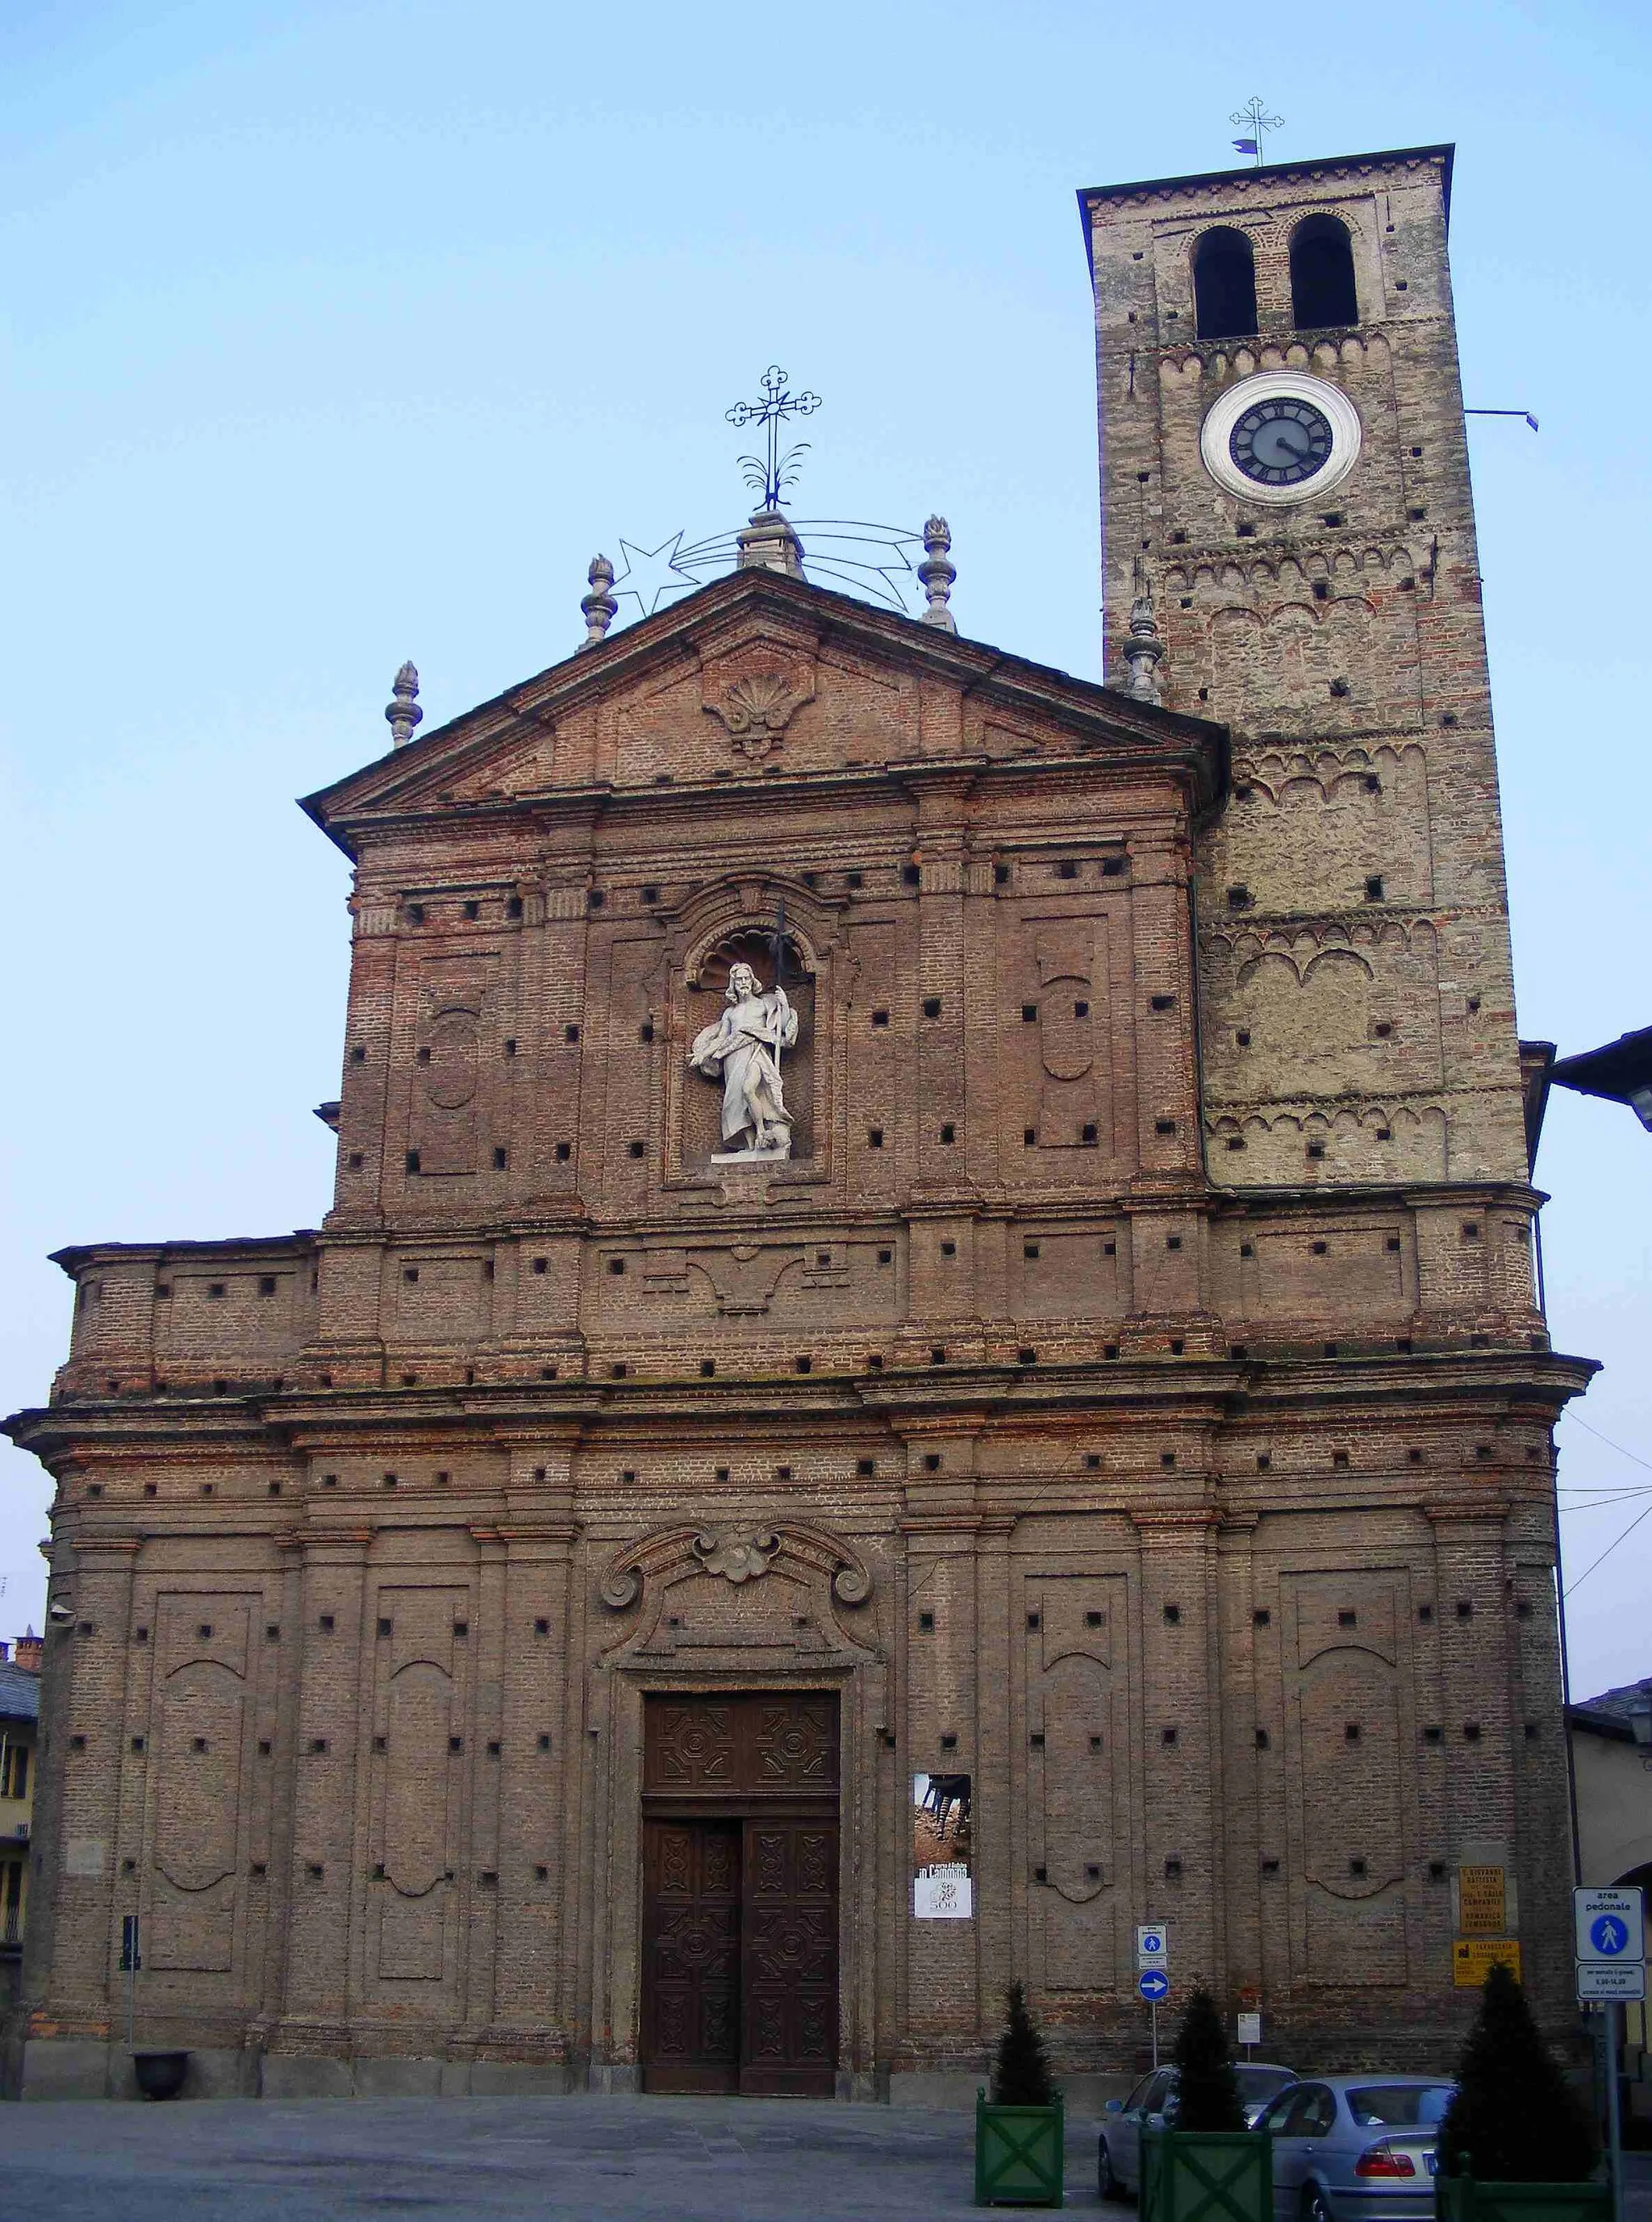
[(1087, 195), (973, 664)]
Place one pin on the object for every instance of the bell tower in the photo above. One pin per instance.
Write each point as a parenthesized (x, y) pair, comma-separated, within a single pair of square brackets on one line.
[(1284, 468)]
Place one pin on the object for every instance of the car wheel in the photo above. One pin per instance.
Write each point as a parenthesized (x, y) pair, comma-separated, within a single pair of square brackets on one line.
[(1107, 2182), (1315, 2207)]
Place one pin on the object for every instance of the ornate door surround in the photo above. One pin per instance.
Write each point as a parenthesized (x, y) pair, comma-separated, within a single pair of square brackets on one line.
[(740, 1838)]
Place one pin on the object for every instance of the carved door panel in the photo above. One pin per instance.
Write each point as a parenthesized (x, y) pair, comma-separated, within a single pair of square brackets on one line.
[(789, 1957), (691, 1955), (740, 1892)]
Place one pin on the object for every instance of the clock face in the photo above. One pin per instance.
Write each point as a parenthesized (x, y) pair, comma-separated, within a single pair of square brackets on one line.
[(1279, 437), (1281, 441)]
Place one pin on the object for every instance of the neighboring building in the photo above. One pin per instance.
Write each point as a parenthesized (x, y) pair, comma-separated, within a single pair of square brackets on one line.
[(1611, 1773), (497, 1635), (20, 1705)]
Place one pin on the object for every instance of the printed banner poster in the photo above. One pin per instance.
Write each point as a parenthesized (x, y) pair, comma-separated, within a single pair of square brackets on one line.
[(942, 1889)]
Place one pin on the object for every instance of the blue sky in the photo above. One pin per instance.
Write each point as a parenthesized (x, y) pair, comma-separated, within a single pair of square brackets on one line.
[(339, 334)]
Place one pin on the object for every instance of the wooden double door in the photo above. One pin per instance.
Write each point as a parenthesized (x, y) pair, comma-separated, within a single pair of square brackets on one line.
[(740, 1893)]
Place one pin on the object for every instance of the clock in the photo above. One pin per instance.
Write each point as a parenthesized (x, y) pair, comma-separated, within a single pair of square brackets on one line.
[(1280, 440), (1280, 437)]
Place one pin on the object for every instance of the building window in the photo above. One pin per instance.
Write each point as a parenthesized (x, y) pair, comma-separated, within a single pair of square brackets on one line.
[(1321, 275), (1224, 285)]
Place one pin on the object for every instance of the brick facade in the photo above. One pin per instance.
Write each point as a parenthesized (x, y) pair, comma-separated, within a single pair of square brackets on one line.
[(1197, 1501)]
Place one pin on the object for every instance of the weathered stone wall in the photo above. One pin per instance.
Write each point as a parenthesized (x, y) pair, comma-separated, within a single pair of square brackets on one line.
[(1355, 967)]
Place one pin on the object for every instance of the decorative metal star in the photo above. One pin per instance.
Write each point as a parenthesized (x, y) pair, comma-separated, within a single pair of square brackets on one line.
[(649, 581)]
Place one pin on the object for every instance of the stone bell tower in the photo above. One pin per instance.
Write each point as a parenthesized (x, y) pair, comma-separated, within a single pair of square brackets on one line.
[(1283, 463)]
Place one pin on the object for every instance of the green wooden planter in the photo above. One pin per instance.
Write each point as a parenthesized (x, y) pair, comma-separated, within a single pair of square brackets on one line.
[(1462, 2199), (1019, 2153), (1208, 2175)]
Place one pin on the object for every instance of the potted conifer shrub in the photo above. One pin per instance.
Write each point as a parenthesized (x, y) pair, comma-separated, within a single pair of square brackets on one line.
[(1019, 2131), (1208, 2165), (1515, 2144)]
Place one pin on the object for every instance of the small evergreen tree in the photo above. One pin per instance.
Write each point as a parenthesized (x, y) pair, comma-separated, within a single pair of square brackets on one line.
[(1020, 2071), (1207, 2093), (1514, 2120)]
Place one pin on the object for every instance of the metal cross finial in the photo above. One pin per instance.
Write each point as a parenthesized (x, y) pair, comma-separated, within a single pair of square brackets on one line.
[(774, 474), (1254, 113)]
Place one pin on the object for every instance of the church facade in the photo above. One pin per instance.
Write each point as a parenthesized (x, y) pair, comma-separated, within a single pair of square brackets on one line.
[(925, 1349)]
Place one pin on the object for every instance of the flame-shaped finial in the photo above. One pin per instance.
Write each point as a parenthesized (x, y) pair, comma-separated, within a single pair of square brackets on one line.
[(937, 572), (402, 711), (1142, 648), (598, 605)]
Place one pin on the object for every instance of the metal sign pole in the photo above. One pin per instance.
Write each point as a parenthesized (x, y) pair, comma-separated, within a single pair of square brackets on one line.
[(1153, 2008), (1614, 2125)]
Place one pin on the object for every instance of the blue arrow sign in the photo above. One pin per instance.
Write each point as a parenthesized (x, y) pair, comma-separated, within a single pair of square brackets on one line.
[(1153, 1982), (1608, 1935)]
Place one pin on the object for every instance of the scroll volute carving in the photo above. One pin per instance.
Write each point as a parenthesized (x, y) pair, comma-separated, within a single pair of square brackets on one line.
[(737, 1554)]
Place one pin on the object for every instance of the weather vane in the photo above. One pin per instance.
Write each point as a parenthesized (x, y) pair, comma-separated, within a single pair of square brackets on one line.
[(773, 476), (1255, 112)]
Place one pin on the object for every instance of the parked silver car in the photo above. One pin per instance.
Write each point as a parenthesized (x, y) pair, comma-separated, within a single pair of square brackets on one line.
[(1356, 2148), (1151, 2106)]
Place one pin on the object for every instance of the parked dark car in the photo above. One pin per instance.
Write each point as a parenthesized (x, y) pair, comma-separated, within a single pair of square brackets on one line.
[(1151, 2106), (1356, 2148)]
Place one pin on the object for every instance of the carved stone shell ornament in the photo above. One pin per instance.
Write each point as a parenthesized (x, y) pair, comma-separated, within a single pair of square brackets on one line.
[(756, 709)]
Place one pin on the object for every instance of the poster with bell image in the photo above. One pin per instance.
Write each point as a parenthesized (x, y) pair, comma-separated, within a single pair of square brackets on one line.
[(942, 1888)]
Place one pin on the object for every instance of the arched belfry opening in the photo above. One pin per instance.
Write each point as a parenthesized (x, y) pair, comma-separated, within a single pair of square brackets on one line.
[(1323, 291), (1224, 285)]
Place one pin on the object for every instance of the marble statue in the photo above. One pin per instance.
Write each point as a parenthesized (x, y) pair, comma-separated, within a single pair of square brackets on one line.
[(744, 1045)]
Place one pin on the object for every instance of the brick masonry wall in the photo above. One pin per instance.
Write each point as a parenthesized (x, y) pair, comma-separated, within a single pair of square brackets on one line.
[(1348, 1037), (1206, 1523)]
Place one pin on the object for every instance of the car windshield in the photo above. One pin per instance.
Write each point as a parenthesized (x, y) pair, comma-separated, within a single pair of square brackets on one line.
[(1399, 2106), (1256, 2084)]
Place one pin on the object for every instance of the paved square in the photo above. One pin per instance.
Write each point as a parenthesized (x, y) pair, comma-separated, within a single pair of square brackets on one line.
[(580, 2159), (554, 2159)]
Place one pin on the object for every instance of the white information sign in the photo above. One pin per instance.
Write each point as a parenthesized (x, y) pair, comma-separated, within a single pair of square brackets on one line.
[(1600, 1979), (1152, 1945), (1250, 2029), (943, 1894), (1610, 1924)]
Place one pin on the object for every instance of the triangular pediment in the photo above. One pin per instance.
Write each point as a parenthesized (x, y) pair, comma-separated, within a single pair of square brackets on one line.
[(752, 676)]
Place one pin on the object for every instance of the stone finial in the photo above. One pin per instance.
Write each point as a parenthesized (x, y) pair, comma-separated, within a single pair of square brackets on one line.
[(937, 572), (599, 606), (768, 544), (402, 711), (1143, 649)]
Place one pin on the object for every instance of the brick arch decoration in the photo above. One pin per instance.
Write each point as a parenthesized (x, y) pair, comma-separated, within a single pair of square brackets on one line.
[(739, 1553)]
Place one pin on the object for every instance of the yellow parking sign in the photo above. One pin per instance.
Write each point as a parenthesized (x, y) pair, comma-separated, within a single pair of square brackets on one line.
[(1473, 1958)]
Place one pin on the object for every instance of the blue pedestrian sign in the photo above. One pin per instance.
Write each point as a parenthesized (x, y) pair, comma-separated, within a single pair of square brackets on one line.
[(1153, 1983), (1610, 1925)]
